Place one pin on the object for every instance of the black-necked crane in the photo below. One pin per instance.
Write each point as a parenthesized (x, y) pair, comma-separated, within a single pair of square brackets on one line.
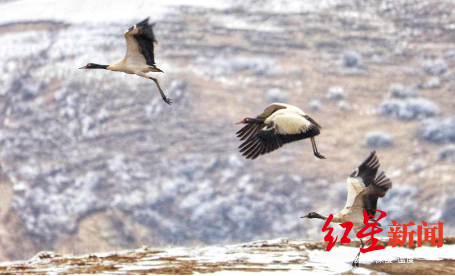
[(139, 58), (279, 124), (364, 188)]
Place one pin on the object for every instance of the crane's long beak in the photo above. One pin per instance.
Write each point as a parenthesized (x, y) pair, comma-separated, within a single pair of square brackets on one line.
[(83, 67), (306, 216), (241, 122)]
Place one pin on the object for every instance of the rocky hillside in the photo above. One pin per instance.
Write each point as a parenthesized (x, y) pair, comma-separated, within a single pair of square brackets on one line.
[(95, 161)]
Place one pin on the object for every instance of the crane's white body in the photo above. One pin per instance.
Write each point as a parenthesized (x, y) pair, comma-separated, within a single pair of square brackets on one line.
[(133, 62), (289, 121)]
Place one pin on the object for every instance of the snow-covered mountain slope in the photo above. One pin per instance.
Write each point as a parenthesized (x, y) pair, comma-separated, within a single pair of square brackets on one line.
[(85, 11), (277, 257), (93, 160)]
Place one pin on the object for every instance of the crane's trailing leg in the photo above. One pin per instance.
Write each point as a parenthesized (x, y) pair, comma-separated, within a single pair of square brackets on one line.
[(355, 263), (166, 99), (315, 149)]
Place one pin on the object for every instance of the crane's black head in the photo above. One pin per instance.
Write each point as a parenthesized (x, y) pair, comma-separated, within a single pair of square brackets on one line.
[(313, 215), (250, 121), (93, 66)]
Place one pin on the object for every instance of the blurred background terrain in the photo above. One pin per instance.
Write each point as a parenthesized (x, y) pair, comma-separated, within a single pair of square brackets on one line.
[(96, 161)]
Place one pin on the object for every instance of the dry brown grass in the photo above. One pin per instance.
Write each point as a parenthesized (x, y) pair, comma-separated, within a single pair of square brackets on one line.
[(419, 267)]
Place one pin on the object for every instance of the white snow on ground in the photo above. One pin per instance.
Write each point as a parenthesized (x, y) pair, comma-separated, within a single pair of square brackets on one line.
[(274, 256), (339, 258)]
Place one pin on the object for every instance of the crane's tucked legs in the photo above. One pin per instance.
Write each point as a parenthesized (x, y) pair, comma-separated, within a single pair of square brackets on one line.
[(315, 149), (166, 99)]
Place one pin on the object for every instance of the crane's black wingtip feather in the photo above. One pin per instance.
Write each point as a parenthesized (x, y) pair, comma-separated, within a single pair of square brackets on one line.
[(383, 181), (248, 131), (368, 169), (370, 162), (147, 26), (144, 22)]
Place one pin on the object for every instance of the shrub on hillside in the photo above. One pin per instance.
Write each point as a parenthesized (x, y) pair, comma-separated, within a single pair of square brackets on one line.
[(315, 105), (400, 91), (343, 105), (352, 59), (335, 93), (276, 95), (438, 130), (435, 66), (409, 109), (377, 139), (447, 153), (433, 83)]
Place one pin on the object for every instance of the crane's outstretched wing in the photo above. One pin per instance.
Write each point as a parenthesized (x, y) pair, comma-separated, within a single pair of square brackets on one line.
[(379, 188), (140, 41), (368, 169), (361, 178), (285, 128), (368, 198)]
